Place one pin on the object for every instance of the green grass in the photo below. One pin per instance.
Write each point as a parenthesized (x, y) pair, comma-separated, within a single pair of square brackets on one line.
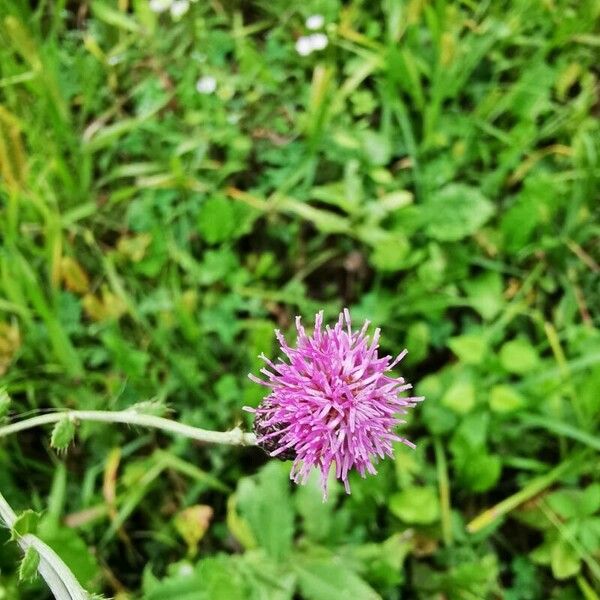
[(435, 169)]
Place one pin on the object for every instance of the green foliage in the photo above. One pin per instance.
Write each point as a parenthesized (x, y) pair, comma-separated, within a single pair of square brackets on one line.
[(325, 578), (26, 522), (29, 565), (62, 434), (435, 169), (267, 507), (455, 212), (4, 403), (418, 505)]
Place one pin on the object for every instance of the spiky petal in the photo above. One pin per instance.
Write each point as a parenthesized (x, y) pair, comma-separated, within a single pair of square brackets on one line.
[(334, 402)]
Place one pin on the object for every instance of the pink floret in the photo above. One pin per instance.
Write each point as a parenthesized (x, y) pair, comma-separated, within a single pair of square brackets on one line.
[(334, 401)]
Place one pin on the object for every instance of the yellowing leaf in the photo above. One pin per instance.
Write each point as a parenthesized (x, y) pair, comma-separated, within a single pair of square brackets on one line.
[(192, 523), (10, 341), (12, 152), (134, 248), (73, 275), (238, 526), (110, 306)]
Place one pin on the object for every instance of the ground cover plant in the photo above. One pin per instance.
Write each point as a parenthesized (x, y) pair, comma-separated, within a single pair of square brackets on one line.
[(177, 179)]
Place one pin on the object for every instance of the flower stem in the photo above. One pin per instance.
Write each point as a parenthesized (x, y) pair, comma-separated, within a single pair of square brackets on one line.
[(57, 575), (234, 437), (53, 570)]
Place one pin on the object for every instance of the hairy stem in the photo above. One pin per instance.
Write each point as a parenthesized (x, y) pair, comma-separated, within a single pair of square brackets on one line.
[(55, 573), (234, 437), (53, 570)]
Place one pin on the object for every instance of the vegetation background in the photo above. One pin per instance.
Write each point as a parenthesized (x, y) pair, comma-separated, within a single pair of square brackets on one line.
[(435, 168)]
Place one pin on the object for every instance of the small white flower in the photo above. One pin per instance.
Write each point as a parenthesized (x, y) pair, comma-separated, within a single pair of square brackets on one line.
[(159, 6), (206, 85), (318, 41), (309, 43), (179, 8), (315, 22), (304, 45)]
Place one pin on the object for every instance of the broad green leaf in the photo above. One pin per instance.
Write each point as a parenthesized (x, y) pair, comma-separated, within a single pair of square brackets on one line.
[(590, 501), (328, 578), (418, 338), (264, 501), (588, 533), (376, 147), (485, 294), (505, 399), (73, 550), (575, 503), (564, 560), (530, 94), (384, 561), (455, 212), (471, 434), (480, 471), (215, 578), (216, 221), (542, 554), (519, 356), (418, 505), (267, 579), (390, 253), (471, 348), (460, 396), (316, 514)]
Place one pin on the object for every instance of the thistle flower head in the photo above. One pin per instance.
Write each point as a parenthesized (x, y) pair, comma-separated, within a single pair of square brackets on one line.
[(333, 402)]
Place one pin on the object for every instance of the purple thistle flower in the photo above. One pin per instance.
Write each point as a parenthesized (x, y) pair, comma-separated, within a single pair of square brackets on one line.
[(333, 402)]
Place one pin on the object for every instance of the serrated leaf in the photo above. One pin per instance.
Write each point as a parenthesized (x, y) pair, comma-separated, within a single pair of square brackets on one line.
[(26, 522), (62, 434), (29, 565)]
